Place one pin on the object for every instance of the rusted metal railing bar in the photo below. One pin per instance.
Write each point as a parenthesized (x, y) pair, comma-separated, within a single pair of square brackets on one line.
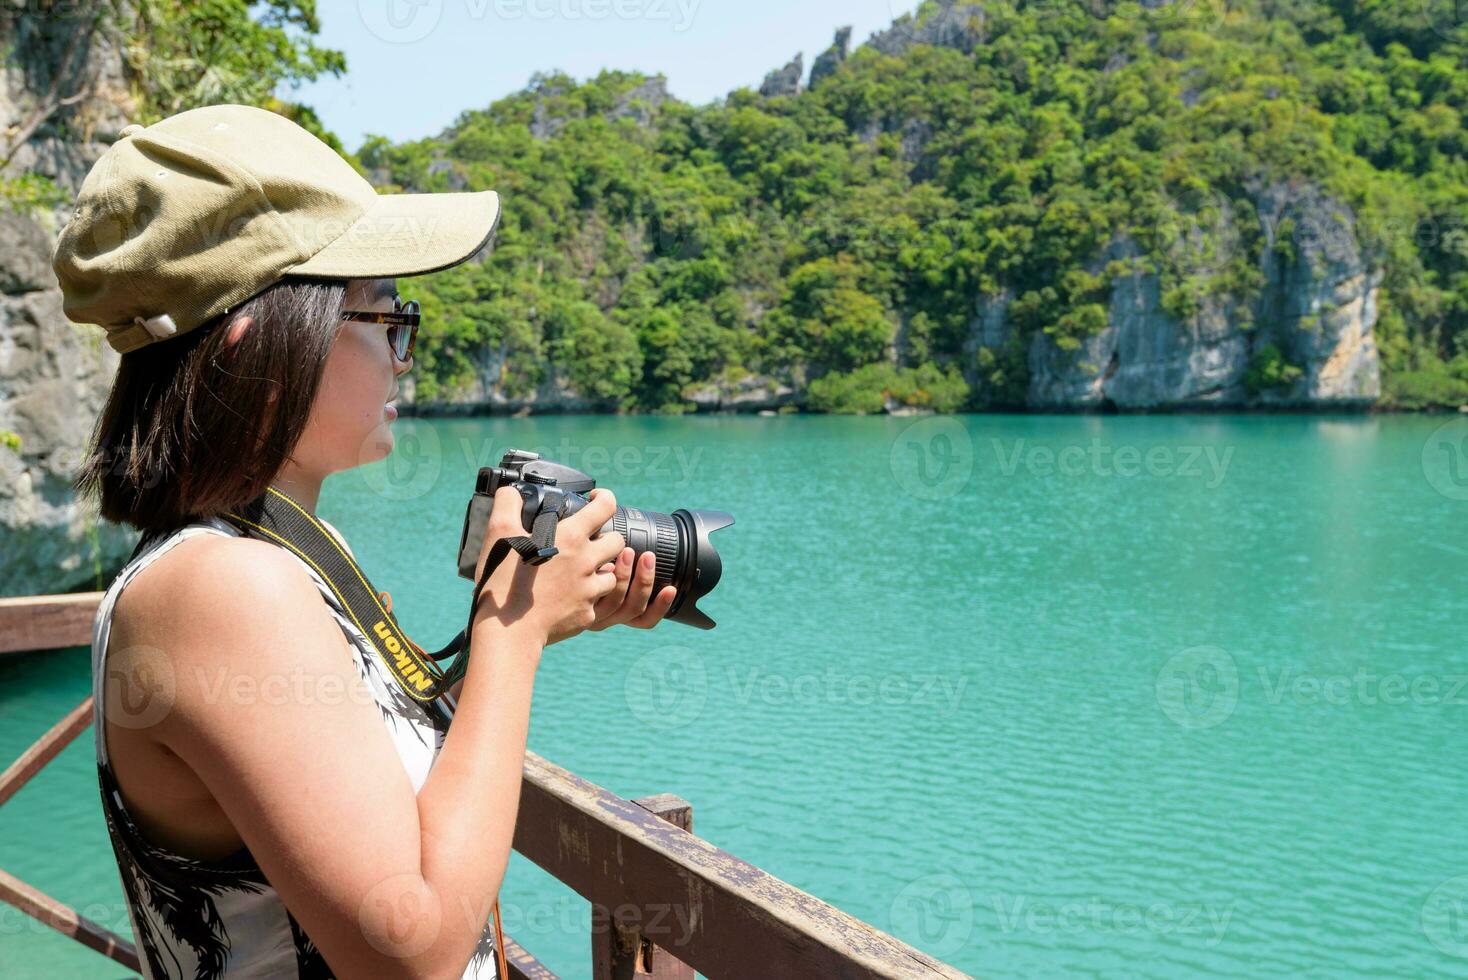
[(47, 622), (43, 908), (46, 748), (523, 966), (720, 915)]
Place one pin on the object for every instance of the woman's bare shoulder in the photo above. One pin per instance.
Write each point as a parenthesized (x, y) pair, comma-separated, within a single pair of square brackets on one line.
[(187, 585)]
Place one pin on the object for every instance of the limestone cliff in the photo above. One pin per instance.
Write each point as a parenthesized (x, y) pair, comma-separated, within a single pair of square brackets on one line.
[(53, 375), (1317, 308)]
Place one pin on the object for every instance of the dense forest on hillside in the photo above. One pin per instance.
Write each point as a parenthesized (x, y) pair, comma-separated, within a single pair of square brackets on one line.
[(842, 235)]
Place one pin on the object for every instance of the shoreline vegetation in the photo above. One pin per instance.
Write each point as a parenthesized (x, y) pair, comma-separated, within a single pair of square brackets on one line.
[(460, 411)]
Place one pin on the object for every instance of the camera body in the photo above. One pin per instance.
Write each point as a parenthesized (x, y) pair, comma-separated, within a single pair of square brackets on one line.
[(550, 492)]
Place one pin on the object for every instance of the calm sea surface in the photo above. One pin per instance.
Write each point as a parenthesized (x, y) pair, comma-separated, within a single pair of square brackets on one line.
[(1040, 695)]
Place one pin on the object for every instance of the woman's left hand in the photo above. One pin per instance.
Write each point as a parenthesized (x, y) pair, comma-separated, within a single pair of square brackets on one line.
[(632, 605)]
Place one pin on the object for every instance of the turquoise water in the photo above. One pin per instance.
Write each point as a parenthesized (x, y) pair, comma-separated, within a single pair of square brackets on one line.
[(1041, 695)]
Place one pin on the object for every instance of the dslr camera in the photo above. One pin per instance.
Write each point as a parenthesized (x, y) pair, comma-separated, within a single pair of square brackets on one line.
[(550, 492)]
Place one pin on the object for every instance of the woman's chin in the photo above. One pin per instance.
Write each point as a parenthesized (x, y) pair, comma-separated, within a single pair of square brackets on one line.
[(385, 440), (377, 446)]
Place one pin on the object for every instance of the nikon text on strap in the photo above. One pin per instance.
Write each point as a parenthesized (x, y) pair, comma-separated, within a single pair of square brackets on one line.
[(275, 517)]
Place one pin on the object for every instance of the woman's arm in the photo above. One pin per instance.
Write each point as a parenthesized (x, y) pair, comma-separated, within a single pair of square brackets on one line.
[(270, 711)]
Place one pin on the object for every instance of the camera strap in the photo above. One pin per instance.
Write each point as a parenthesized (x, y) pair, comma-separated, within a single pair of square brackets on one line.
[(275, 517), (535, 550)]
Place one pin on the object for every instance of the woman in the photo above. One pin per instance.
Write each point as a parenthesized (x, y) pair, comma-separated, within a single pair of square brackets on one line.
[(276, 805)]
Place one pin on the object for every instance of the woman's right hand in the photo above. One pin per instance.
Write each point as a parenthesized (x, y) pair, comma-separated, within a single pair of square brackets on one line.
[(557, 599)]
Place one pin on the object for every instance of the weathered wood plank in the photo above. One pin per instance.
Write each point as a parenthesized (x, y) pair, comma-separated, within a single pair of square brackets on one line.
[(46, 748), (43, 908), (720, 915), (47, 622)]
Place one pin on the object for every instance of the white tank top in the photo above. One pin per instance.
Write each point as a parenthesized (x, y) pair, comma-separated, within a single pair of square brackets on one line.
[(197, 919)]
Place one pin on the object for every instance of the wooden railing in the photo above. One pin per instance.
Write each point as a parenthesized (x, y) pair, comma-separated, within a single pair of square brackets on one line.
[(664, 902)]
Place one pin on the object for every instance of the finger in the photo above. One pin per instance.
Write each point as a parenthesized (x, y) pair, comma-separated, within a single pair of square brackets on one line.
[(656, 610), (607, 548), (504, 521), (622, 569), (504, 516), (605, 584), (589, 519), (647, 572), (631, 603), (508, 510)]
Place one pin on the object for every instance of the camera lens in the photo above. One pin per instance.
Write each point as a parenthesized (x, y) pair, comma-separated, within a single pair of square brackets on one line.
[(686, 559)]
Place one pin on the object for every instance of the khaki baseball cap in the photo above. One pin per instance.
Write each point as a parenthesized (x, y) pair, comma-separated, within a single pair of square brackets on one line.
[(185, 219)]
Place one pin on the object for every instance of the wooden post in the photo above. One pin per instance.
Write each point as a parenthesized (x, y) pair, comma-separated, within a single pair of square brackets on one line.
[(619, 951)]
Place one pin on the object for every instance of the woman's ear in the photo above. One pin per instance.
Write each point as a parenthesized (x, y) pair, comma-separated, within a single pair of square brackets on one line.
[(236, 330)]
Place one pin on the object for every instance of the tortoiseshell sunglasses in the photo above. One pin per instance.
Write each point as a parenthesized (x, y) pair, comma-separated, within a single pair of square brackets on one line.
[(402, 325)]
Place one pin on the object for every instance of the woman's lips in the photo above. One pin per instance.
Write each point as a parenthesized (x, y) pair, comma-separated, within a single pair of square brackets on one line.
[(392, 411)]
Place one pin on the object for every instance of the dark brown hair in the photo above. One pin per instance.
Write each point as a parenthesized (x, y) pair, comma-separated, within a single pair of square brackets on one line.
[(193, 428)]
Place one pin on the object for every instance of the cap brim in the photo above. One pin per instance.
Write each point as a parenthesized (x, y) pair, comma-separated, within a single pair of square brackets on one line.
[(408, 235)]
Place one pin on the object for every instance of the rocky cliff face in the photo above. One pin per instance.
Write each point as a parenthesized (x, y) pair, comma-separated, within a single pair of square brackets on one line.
[(1318, 308), (829, 60), (639, 103), (1321, 298), (53, 375), (487, 393), (957, 24), (784, 81)]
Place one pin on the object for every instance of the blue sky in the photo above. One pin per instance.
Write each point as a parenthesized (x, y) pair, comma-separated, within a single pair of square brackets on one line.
[(414, 65)]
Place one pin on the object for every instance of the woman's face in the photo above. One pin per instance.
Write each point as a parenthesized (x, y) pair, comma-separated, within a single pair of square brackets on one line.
[(351, 418)]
